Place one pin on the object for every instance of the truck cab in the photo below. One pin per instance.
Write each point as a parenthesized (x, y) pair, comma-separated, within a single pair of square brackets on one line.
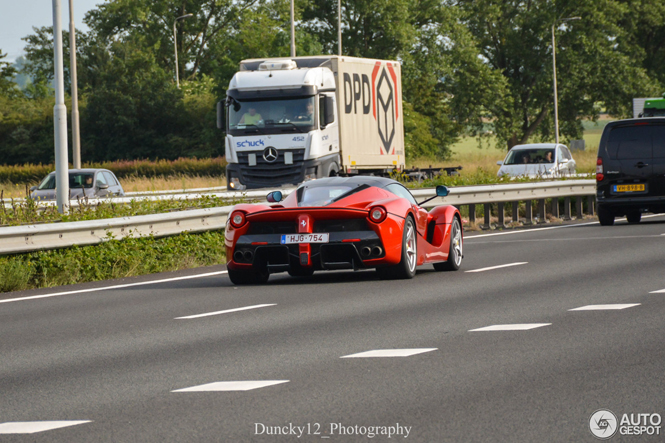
[(281, 124)]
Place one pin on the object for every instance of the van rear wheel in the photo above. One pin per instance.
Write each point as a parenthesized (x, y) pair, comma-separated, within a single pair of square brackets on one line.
[(634, 217), (605, 217)]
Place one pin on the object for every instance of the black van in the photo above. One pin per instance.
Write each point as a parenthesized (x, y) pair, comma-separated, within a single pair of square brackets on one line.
[(630, 171)]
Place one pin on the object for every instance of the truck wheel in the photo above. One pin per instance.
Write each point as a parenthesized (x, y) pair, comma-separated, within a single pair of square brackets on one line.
[(605, 216), (455, 252), (406, 268), (248, 277)]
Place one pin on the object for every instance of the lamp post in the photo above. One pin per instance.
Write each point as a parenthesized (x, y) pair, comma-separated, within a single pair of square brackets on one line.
[(175, 46), (76, 132), (339, 27), (293, 29), (556, 104)]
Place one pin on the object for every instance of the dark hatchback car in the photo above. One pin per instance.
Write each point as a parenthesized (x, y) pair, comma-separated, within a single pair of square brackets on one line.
[(91, 183), (630, 171)]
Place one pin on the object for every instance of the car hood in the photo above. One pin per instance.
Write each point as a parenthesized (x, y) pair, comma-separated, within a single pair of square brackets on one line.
[(529, 170)]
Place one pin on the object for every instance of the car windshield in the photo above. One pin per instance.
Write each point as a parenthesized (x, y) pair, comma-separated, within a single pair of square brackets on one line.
[(76, 180), (529, 156), (272, 116)]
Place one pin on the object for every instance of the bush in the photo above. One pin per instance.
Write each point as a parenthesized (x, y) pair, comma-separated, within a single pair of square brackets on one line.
[(110, 260)]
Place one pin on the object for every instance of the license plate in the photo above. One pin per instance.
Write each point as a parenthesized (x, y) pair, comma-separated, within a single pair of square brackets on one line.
[(629, 188), (288, 239)]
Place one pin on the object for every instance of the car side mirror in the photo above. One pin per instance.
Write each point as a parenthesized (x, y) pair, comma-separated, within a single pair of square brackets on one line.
[(500, 163), (102, 186), (274, 197), (563, 160), (442, 191), (33, 188)]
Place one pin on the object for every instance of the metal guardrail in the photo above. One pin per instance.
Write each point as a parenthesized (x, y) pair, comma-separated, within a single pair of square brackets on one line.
[(27, 238)]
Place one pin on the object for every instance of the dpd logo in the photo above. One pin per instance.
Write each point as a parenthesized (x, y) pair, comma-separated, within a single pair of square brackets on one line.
[(603, 424)]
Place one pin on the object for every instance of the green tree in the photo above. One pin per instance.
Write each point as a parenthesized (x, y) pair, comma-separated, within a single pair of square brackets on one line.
[(8, 86), (514, 39)]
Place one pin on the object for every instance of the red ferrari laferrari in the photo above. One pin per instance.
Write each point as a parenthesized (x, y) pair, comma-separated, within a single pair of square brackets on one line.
[(342, 223)]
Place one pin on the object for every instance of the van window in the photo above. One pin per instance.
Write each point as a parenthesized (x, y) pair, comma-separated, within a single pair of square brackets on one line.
[(630, 142)]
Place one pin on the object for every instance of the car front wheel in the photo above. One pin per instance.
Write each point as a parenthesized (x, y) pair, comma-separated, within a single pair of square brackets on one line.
[(455, 253)]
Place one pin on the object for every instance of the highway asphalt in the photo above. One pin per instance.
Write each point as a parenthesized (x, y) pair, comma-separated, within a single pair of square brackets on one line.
[(116, 364)]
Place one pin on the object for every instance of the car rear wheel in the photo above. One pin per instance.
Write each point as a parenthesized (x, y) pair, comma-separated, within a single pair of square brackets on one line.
[(406, 268), (634, 217), (455, 253), (605, 217), (248, 277)]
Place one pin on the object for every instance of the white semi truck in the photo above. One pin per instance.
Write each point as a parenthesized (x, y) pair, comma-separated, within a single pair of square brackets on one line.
[(288, 120)]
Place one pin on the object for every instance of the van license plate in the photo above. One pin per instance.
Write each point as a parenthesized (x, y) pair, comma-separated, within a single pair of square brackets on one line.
[(289, 239), (629, 188)]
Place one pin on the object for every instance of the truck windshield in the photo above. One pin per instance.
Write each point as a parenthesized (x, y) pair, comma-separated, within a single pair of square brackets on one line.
[(273, 116)]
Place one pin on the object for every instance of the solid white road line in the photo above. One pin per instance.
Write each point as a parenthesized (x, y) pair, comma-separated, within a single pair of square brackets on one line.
[(523, 231), (515, 327), (208, 314), (31, 427), (232, 386), (105, 288), (498, 267), (390, 353), (605, 307)]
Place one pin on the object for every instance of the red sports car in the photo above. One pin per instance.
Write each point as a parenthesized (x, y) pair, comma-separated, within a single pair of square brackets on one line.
[(342, 223)]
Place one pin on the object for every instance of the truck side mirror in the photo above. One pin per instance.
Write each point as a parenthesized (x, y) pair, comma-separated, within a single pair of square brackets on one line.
[(220, 115), (327, 110)]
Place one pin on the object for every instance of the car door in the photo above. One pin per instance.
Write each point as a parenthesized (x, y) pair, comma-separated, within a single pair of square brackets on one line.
[(567, 166), (114, 187), (101, 180), (421, 214)]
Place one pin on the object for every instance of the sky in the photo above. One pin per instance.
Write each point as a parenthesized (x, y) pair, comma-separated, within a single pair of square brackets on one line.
[(17, 17)]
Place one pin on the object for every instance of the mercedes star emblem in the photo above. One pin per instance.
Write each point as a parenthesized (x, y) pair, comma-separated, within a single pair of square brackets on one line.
[(270, 154)]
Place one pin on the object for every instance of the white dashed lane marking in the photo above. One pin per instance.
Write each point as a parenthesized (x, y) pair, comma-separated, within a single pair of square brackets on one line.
[(390, 353), (515, 327), (208, 314), (605, 307), (660, 291), (498, 267), (232, 386), (32, 427)]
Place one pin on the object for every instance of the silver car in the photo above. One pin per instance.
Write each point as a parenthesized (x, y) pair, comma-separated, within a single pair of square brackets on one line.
[(538, 160), (91, 183)]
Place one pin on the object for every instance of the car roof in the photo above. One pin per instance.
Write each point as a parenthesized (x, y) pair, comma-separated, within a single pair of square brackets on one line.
[(369, 180), (642, 120), (536, 146), (84, 170)]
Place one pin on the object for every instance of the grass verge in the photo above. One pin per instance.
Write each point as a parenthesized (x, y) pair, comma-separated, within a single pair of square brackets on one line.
[(110, 260)]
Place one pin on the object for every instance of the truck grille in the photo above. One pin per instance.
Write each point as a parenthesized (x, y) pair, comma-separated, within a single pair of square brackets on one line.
[(272, 174)]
